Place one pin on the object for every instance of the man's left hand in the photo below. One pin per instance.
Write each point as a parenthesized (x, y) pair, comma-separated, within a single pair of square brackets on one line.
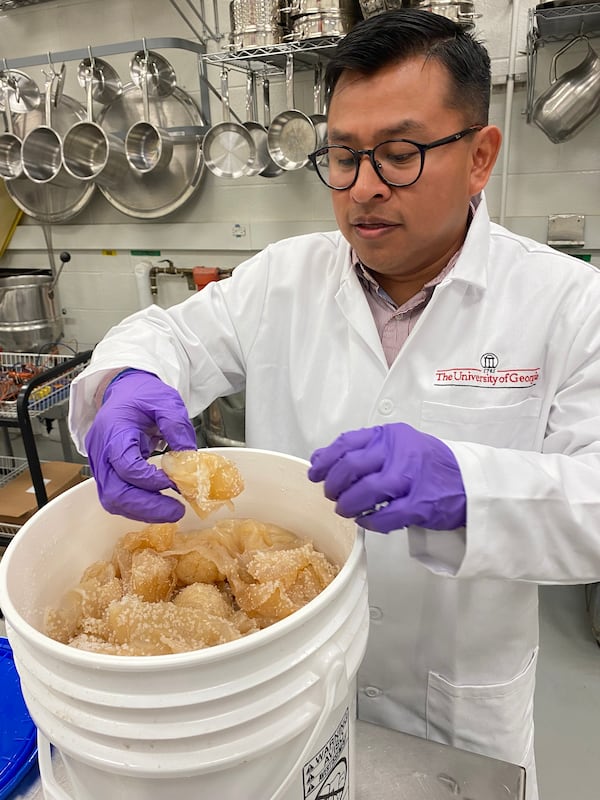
[(392, 476)]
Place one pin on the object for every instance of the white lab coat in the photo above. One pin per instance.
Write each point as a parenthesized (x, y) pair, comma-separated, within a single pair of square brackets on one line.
[(454, 615)]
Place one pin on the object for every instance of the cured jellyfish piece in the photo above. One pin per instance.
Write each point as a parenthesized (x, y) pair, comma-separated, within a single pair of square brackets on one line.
[(88, 600), (206, 597), (194, 567), (96, 597), (64, 623), (158, 537), (102, 571), (267, 603), (206, 480), (164, 627), (241, 535), (152, 576)]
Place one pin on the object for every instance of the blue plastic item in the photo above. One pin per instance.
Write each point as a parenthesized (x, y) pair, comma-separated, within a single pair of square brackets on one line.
[(18, 748)]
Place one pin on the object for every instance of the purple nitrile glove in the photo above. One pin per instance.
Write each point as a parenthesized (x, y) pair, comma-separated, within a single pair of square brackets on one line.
[(138, 410), (414, 475)]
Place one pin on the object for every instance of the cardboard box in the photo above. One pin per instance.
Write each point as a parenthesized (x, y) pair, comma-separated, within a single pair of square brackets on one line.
[(17, 497)]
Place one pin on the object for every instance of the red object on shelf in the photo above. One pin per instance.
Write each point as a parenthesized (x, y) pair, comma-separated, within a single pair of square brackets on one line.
[(204, 275)]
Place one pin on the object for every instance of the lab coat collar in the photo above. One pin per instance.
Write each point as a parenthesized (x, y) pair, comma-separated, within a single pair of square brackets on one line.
[(472, 264)]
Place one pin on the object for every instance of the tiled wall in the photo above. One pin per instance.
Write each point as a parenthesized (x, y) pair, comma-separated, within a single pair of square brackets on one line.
[(97, 290)]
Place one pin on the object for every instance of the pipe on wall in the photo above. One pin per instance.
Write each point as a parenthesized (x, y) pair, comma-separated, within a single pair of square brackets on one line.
[(510, 87), (142, 282)]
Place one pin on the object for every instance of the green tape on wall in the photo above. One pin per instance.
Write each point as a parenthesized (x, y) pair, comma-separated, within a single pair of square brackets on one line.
[(145, 252)]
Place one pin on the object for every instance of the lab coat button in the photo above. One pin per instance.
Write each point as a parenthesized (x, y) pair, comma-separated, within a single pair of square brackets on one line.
[(386, 407), (375, 612), (372, 691)]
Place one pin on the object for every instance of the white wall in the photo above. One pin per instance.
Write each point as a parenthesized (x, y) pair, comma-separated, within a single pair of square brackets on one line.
[(97, 290)]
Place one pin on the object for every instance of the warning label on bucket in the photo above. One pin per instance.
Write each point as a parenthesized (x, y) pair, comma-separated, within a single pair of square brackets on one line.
[(325, 776)]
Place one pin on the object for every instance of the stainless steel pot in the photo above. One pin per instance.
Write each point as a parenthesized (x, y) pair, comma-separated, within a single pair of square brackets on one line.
[(29, 316), (11, 163), (148, 147), (246, 40), (460, 11), (325, 23), (88, 152), (301, 7), (41, 150)]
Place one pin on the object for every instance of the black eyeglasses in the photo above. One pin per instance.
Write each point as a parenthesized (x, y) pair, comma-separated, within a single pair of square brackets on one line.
[(397, 162)]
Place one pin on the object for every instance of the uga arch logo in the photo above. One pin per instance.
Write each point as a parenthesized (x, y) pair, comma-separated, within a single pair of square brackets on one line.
[(488, 375)]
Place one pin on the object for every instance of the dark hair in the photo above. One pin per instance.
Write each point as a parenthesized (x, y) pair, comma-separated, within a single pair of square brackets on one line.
[(395, 36)]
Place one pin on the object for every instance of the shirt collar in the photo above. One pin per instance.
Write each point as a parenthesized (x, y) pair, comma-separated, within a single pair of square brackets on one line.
[(369, 283)]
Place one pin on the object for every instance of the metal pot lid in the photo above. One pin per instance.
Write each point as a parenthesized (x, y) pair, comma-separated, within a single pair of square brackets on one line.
[(153, 195), (24, 93), (156, 70), (46, 202)]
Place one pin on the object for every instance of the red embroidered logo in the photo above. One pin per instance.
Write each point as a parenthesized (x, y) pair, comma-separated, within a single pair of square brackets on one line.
[(488, 375)]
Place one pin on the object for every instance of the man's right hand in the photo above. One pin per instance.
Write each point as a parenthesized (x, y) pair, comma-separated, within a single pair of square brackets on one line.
[(138, 410)]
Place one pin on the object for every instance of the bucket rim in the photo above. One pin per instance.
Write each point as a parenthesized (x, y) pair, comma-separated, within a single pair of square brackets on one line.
[(157, 663)]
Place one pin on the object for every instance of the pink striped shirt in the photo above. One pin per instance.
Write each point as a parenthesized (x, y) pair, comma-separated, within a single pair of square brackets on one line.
[(394, 323)]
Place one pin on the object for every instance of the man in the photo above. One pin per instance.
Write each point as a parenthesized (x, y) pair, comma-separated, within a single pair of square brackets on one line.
[(458, 361)]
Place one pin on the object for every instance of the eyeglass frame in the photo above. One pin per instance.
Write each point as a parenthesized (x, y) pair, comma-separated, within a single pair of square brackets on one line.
[(357, 154)]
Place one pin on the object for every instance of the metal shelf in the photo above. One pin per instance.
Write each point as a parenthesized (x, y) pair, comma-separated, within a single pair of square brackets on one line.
[(559, 24), (272, 58)]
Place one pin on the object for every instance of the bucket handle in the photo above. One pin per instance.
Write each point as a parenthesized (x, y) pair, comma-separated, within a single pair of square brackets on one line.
[(335, 665), (52, 789)]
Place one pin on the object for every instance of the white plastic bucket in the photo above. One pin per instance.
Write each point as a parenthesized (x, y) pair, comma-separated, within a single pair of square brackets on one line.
[(266, 717)]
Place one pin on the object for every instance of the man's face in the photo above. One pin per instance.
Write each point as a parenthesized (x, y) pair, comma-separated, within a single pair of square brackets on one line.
[(402, 233)]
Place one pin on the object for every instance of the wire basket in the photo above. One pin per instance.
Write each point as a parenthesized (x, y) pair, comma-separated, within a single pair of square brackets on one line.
[(10, 467), (17, 369)]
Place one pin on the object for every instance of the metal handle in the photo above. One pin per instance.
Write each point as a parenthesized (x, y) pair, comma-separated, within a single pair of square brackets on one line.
[(6, 100), (225, 95), (553, 74), (250, 95), (317, 89), (289, 81), (266, 102), (89, 82)]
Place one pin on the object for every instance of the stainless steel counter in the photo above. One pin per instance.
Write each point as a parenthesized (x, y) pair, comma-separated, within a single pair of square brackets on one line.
[(396, 766)]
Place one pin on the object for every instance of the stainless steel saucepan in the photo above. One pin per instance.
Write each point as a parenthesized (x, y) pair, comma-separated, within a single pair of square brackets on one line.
[(148, 148), (89, 153), (41, 150), (11, 163), (292, 135), (228, 147)]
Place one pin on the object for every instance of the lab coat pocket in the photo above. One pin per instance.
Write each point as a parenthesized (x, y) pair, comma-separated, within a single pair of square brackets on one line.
[(493, 719), (513, 426)]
